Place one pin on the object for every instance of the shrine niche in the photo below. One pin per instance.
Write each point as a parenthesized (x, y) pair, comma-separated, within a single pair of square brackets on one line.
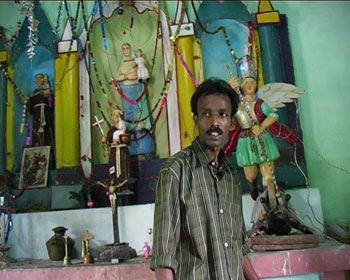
[(29, 60), (139, 100)]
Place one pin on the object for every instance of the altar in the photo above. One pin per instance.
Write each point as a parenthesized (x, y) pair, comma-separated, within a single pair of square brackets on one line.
[(135, 269), (328, 261), (28, 258)]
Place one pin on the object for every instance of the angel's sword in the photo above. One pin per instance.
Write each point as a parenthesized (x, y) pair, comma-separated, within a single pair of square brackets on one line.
[(273, 190)]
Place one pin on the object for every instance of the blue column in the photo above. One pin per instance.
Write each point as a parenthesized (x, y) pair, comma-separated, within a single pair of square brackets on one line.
[(270, 54), (272, 66)]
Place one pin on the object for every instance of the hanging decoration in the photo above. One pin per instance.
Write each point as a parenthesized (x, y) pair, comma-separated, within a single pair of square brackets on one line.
[(24, 115), (58, 19), (27, 143), (104, 39), (194, 81), (32, 27)]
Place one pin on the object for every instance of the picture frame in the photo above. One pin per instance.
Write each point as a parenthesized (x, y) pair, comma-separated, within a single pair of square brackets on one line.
[(34, 167)]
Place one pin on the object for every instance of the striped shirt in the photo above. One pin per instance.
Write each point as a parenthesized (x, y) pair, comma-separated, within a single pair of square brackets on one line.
[(198, 223)]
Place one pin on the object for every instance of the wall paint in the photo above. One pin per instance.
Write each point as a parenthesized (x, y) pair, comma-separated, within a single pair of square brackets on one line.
[(320, 42)]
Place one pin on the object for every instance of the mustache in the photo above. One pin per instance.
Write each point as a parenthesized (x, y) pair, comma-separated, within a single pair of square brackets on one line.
[(214, 130)]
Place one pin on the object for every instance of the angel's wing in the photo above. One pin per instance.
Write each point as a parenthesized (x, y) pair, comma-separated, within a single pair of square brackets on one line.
[(277, 94)]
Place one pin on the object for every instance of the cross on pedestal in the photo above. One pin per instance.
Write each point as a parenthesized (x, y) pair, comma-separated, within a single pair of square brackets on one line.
[(116, 250)]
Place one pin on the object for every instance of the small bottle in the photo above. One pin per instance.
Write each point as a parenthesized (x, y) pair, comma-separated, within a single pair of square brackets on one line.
[(146, 251)]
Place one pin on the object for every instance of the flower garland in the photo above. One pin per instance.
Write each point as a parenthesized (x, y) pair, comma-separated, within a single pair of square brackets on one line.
[(117, 89), (59, 14), (33, 28)]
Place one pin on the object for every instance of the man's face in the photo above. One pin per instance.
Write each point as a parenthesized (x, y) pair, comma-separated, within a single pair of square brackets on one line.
[(248, 86), (214, 120)]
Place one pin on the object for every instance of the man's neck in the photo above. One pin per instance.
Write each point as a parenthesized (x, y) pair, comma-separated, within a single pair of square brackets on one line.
[(214, 155)]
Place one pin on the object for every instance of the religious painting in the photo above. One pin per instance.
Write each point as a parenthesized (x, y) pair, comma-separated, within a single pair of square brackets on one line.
[(34, 167)]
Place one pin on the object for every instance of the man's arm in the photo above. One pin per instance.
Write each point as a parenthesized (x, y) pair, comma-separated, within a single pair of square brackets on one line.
[(166, 229)]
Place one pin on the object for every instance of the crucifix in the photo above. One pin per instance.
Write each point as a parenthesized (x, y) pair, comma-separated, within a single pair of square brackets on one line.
[(121, 251)]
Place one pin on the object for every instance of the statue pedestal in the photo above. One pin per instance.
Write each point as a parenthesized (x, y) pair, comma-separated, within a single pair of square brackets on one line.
[(120, 251), (282, 242)]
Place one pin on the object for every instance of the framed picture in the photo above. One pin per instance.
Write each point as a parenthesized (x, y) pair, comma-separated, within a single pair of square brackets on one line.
[(34, 167)]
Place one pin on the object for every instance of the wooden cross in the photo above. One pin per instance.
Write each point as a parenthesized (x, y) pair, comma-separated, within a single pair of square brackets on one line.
[(98, 123)]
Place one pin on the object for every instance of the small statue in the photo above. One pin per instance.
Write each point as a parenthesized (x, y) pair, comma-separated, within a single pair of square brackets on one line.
[(117, 141), (110, 191), (142, 71), (40, 103)]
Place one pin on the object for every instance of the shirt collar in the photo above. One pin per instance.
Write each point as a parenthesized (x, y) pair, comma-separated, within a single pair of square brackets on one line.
[(203, 157)]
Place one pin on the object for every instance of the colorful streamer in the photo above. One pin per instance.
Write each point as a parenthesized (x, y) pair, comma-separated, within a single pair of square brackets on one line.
[(194, 81), (102, 25)]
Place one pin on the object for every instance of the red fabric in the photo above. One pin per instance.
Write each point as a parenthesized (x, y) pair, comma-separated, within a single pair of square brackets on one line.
[(232, 139), (276, 129)]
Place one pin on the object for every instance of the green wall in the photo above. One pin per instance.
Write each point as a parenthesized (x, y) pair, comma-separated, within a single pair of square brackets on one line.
[(320, 42)]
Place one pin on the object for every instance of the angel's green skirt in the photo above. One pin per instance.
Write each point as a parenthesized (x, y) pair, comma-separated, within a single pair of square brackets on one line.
[(249, 151)]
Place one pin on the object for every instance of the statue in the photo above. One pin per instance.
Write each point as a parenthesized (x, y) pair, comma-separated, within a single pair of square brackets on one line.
[(85, 248), (256, 150), (117, 141), (254, 120), (39, 105), (142, 71), (127, 79), (134, 100)]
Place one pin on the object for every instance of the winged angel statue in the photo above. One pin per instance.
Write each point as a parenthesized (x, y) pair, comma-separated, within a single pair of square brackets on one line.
[(256, 119)]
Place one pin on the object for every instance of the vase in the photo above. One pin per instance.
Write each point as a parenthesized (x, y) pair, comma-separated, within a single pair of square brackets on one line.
[(56, 244), (146, 251)]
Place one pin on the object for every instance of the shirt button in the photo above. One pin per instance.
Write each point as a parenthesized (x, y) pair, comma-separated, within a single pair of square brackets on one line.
[(226, 244), (221, 211)]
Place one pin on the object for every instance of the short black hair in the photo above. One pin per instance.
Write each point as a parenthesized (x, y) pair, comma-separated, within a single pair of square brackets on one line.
[(214, 86)]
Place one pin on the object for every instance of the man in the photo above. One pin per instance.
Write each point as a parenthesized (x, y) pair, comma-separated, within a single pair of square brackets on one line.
[(198, 223)]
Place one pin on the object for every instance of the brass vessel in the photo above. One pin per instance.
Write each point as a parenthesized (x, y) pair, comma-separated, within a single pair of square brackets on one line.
[(56, 244)]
